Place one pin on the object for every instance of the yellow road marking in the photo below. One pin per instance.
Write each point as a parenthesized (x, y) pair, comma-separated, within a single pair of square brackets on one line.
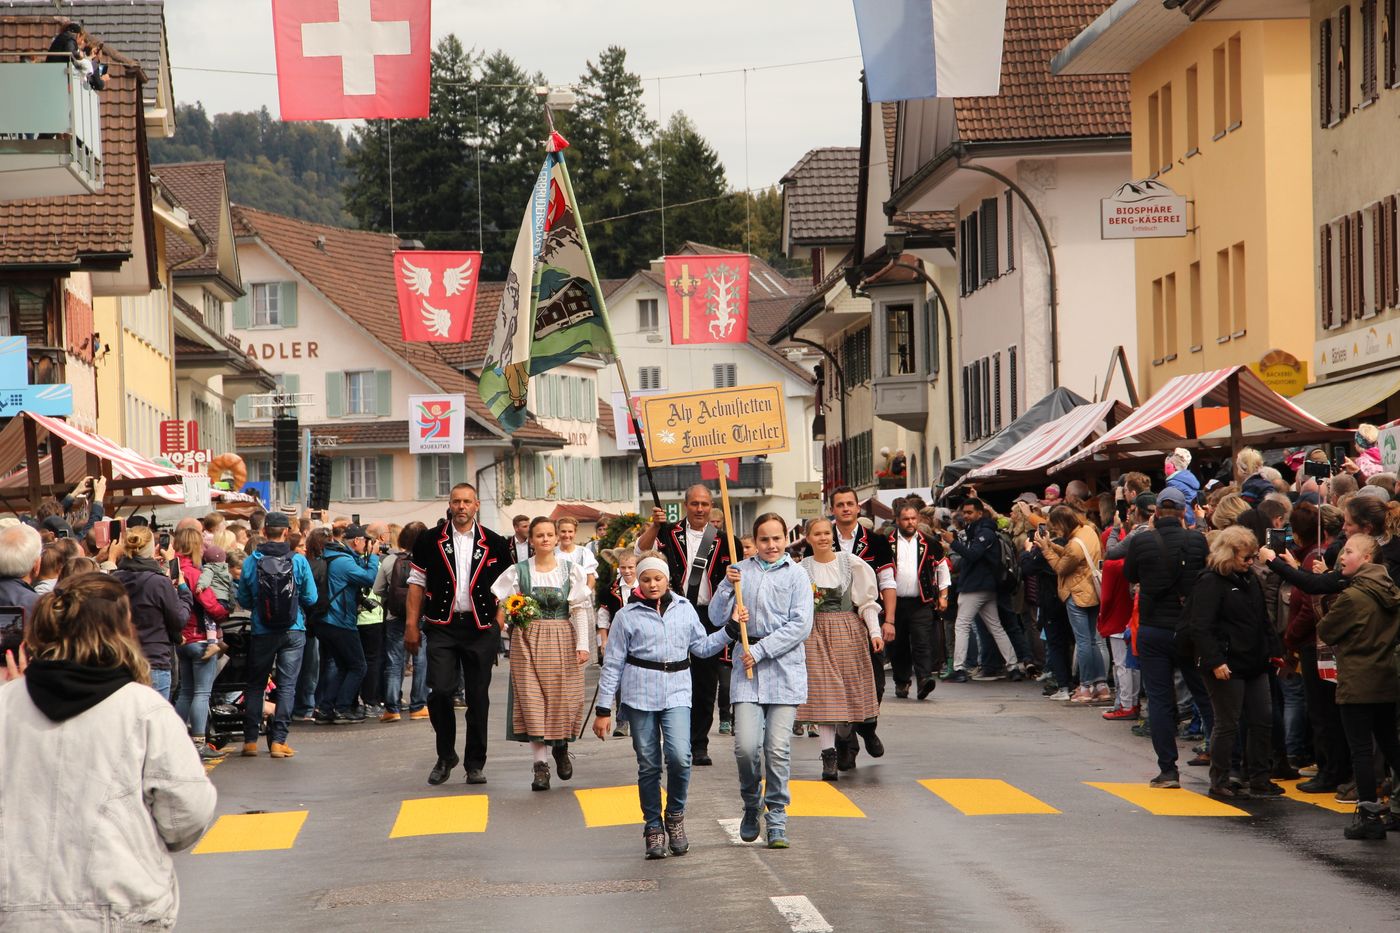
[(252, 832), (438, 816), (612, 806), (818, 798), (1326, 801), (1166, 801), (986, 797)]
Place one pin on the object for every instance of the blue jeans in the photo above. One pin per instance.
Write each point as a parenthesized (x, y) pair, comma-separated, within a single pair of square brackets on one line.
[(347, 668), (160, 682), (196, 680), (1084, 623), (281, 650), (1157, 658), (394, 657), (649, 729), (1297, 736), (762, 740), (305, 702)]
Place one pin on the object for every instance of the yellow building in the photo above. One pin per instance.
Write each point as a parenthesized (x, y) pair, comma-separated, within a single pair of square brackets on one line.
[(1219, 115)]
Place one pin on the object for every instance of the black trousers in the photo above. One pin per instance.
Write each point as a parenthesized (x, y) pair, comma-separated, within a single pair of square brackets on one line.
[(459, 653), (911, 652), (372, 641), (1233, 700), (1364, 721), (704, 688), (1329, 738)]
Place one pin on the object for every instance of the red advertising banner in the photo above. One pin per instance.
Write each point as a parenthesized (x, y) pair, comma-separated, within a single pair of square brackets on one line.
[(352, 59), (437, 294), (708, 298), (709, 469), (177, 437)]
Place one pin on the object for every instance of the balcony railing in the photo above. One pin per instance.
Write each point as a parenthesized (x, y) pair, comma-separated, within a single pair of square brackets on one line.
[(677, 479), (50, 131)]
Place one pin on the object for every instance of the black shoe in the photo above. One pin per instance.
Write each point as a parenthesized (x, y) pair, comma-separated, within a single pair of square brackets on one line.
[(829, 772), (846, 751), (1226, 792), (541, 781), (1166, 779), (675, 833), (1265, 789), (927, 687), (1317, 785), (562, 764), (957, 677), (442, 769), (901, 692), (323, 719), (1015, 675), (350, 718), (476, 776), (1283, 771), (653, 839), (1367, 824), (873, 746), (701, 759)]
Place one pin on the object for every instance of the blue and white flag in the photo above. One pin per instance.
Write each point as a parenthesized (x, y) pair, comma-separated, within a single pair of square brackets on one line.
[(931, 48)]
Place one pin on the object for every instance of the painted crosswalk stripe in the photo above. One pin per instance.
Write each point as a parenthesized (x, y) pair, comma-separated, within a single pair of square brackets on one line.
[(818, 798), (801, 914), (612, 806), (1325, 801), (252, 832), (439, 816), (986, 796), (1164, 801)]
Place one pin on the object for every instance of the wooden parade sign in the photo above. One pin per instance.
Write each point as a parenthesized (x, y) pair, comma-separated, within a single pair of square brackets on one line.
[(715, 424)]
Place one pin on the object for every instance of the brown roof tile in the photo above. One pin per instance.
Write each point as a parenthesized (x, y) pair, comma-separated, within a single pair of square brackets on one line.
[(63, 231), (202, 189), (889, 116), (605, 419), (1033, 103), (351, 434), (369, 296), (820, 195)]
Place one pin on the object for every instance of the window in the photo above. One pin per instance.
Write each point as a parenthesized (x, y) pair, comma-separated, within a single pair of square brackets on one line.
[(1193, 116), (1197, 325), (1238, 283), (1388, 42), (1154, 133), (1368, 51), (648, 319), (362, 477), (1168, 153), (818, 266), (442, 475), (1376, 299), (1169, 315), (1159, 338), (1012, 388), (1343, 61), (1325, 59), (932, 347), (359, 393), (1344, 267), (267, 304), (1222, 296), (1217, 75), (1324, 277), (725, 375), (986, 395), (1236, 81), (855, 357), (996, 391), (1010, 233), (213, 312), (899, 340), (649, 377), (967, 402), (991, 241)]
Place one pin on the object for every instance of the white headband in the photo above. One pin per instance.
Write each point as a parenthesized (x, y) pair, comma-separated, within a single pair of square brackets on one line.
[(653, 563)]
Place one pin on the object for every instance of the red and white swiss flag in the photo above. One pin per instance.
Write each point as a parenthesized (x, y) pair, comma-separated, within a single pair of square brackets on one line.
[(437, 294), (352, 59)]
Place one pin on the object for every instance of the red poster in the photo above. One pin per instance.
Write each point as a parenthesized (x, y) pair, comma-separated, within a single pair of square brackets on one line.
[(709, 469), (437, 294), (352, 59), (708, 298)]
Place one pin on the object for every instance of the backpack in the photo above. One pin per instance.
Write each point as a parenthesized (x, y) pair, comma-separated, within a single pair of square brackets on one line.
[(396, 593), (277, 591), (1009, 565)]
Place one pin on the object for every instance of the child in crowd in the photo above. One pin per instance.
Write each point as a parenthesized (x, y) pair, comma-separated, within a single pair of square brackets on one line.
[(647, 670), (746, 542), (214, 575), (622, 592)]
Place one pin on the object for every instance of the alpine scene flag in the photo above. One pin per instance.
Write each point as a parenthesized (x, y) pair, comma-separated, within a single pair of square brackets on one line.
[(931, 48), (552, 309)]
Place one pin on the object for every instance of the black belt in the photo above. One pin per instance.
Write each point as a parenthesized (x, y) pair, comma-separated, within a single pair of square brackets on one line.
[(666, 667)]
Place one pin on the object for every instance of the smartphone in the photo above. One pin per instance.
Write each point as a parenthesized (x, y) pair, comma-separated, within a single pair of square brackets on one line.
[(355, 518), (114, 528), (1122, 507), (11, 628), (1275, 539), (61, 533), (1339, 453), (174, 568), (1316, 470), (164, 540)]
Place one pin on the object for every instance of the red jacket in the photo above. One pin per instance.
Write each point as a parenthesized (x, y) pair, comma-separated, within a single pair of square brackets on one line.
[(205, 605), (1115, 600)]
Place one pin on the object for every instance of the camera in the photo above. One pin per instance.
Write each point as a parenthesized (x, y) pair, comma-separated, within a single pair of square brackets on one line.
[(384, 550), (365, 603), (1317, 470), (11, 628)]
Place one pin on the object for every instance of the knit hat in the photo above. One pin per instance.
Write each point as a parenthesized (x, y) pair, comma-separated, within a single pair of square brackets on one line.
[(1181, 457)]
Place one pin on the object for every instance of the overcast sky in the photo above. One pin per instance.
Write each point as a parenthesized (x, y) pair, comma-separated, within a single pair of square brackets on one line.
[(790, 109)]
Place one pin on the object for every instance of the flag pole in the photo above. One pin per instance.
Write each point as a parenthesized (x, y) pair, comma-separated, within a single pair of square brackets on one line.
[(603, 310)]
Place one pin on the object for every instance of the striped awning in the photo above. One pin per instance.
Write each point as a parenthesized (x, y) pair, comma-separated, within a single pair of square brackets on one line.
[(126, 463), (1210, 388)]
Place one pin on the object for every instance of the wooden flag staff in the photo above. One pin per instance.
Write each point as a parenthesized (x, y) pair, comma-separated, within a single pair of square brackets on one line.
[(722, 469)]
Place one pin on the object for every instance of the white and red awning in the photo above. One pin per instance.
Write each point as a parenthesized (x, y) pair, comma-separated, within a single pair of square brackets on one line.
[(77, 444), (1209, 388)]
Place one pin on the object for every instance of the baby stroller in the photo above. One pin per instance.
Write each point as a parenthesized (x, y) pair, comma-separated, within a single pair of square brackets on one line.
[(226, 703)]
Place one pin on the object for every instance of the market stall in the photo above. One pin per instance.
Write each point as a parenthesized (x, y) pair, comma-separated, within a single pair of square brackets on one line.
[(1057, 403)]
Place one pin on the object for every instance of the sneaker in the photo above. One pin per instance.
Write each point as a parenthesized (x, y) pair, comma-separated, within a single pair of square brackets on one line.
[(1265, 789), (812, 732), (1118, 714), (1141, 729), (350, 718), (726, 727), (1082, 695), (777, 838), (1101, 695), (419, 713), (1166, 779), (748, 826), (797, 729), (389, 716), (624, 728), (1061, 694), (1050, 686), (323, 719), (655, 843), (1015, 675), (1201, 760), (1317, 785), (1032, 670), (675, 833), (1226, 792), (208, 752), (1346, 793), (957, 677)]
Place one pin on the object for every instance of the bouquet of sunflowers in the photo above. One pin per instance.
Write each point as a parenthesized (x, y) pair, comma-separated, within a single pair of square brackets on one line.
[(816, 594), (521, 611)]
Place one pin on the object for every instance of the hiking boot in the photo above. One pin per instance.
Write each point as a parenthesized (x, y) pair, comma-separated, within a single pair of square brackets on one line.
[(1346, 793), (1265, 789), (653, 839), (748, 826), (1367, 823), (562, 764), (250, 749), (389, 716), (675, 833), (1130, 712), (476, 776), (419, 714), (541, 781), (829, 772), (901, 691), (846, 752), (798, 729), (281, 750), (1166, 779)]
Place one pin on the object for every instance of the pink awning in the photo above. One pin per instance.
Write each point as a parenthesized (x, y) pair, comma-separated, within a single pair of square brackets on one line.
[(126, 463)]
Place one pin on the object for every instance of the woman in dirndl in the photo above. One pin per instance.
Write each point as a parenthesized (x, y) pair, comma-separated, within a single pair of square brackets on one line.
[(545, 698), (846, 624)]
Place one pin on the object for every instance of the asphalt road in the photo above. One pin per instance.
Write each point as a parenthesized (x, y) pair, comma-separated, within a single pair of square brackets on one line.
[(1009, 833)]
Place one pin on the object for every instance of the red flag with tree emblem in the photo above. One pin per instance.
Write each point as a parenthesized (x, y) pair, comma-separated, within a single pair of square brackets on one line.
[(708, 298)]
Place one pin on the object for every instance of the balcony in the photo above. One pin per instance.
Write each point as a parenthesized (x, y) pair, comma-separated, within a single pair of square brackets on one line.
[(677, 479), (902, 400), (50, 132)]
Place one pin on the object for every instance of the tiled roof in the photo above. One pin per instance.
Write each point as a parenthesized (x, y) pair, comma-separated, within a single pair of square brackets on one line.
[(820, 195), (135, 26), (64, 231), (202, 190), (354, 269), (348, 434), (889, 116), (605, 419), (938, 221), (1033, 103)]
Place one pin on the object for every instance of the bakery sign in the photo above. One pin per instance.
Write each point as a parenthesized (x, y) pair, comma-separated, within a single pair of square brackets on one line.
[(1142, 210), (1282, 371)]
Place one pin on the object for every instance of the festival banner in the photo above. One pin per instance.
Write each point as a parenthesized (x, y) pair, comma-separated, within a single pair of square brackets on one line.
[(715, 424), (437, 294), (438, 424), (707, 297), (623, 430)]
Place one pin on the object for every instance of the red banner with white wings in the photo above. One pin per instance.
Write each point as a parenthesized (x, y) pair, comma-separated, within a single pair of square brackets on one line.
[(437, 294)]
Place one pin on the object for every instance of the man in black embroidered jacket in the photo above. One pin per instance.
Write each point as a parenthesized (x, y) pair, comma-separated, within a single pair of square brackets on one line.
[(918, 595), (449, 590), (698, 555)]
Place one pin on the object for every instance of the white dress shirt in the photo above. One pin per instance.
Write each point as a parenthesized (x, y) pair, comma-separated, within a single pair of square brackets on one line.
[(906, 565), (522, 548), (463, 545), (692, 545)]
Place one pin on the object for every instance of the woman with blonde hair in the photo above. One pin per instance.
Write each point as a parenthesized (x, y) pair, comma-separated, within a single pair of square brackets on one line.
[(160, 606), (1076, 566), (122, 787), (198, 651)]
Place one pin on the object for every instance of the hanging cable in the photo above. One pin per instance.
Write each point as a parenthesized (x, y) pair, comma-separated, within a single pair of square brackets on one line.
[(748, 200), (390, 125), (661, 160), (480, 241)]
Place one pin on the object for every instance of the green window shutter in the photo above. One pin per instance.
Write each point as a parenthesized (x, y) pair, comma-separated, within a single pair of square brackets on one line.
[(459, 468), (427, 477), (385, 476), (335, 394), (382, 399), (242, 410), (339, 482), (291, 383), (243, 311), (287, 303)]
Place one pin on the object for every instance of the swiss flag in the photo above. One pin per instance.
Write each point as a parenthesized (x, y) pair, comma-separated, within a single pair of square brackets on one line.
[(708, 298), (709, 469), (437, 294), (352, 59)]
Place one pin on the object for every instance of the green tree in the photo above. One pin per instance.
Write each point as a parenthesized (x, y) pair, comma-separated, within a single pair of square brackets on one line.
[(693, 172)]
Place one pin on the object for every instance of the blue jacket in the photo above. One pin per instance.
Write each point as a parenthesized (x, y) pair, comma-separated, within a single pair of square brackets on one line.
[(1190, 487), (347, 574), (981, 554), (779, 600), (248, 585)]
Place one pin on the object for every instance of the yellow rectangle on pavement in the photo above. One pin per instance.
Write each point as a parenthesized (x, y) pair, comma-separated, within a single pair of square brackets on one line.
[(1168, 801), (986, 797), (818, 798), (252, 832), (440, 816), (1326, 801), (612, 806)]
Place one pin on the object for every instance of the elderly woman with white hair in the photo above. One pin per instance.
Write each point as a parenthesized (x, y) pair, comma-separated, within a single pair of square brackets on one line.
[(1183, 479), (20, 548)]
